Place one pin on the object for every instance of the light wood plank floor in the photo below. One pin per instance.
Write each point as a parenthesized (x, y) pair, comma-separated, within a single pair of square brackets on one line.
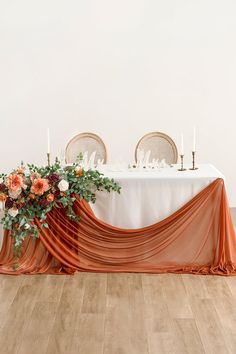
[(117, 314)]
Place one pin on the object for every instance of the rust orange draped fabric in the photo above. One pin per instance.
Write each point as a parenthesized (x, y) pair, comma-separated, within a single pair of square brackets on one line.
[(198, 238)]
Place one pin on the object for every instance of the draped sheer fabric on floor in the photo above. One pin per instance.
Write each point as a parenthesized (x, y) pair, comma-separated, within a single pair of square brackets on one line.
[(199, 238)]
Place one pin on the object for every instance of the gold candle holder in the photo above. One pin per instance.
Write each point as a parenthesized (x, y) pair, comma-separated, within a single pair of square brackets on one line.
[(194, 158), (182, 164), (48, 158)]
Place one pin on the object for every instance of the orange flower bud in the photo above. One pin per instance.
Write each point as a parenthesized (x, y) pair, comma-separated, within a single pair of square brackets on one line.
[(20, 171), (3, 197), (50, 197), (79, 172)]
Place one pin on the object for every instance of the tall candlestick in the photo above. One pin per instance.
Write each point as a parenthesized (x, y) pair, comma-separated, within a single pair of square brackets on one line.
[(182, 163), (48, 158), (194, 138), (194, 161), (182, 144), (48, 136)]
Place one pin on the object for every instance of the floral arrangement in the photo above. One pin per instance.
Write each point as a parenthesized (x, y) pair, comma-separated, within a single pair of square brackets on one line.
[(32, 192)]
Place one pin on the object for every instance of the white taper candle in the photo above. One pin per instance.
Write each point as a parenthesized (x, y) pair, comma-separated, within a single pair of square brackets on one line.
[(194, 138), (182, 144), (48, 138)]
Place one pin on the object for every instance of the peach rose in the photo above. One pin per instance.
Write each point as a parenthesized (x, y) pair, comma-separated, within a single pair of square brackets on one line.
[(32, 196), (3, 197), (14, 182), (50, 197), (14, 194), (21, 170), (39, 186), (34, 176), (79, 172)]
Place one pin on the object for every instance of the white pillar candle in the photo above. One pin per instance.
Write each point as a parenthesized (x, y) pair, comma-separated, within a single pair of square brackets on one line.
[(182, 144), (194, 138), (48, 138)]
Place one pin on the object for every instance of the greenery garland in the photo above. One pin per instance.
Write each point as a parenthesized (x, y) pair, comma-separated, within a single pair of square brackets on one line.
[(32, 192)]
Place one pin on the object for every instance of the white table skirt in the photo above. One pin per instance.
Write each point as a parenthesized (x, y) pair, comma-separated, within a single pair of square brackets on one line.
[(148, 197)]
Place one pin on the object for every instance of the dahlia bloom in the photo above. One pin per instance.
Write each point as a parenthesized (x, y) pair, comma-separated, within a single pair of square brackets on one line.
[(57, 194), (14, 182), (39, 186), (9, 203), (53, 178), (3, 187)]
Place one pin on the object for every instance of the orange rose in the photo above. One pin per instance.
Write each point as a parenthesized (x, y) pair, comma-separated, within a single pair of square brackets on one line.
[(79, 172), (3, 197), (50, 197), (39, 186), (14, 182)]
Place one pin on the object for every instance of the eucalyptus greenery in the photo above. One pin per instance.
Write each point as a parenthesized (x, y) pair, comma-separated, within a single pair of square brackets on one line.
[(21, 210)]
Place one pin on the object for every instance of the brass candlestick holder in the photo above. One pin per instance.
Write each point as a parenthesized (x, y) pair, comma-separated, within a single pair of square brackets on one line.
[(182, 164), (194, 158), (48, 158)]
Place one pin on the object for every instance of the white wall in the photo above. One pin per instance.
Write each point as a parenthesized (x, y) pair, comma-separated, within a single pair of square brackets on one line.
[(120, 69)]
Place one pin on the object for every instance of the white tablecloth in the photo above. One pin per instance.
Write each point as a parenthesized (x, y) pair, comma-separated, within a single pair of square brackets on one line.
[(148, 197)]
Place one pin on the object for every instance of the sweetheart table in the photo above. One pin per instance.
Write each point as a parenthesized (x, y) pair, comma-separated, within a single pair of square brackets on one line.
[(163, 221)]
